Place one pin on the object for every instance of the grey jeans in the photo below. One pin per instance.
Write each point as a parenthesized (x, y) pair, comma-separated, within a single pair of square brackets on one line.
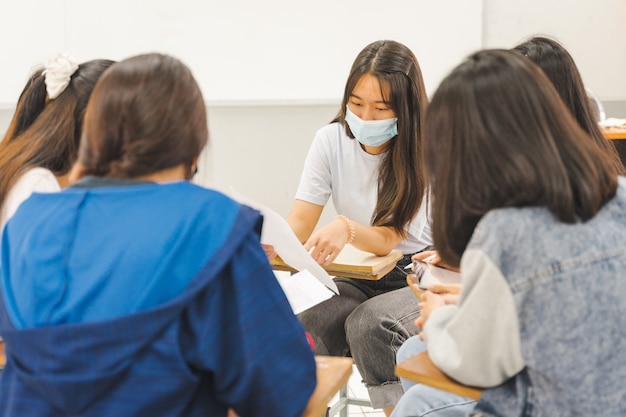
[(369, 320)]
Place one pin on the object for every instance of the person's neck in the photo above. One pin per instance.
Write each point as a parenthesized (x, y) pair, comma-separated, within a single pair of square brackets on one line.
[(63, 180), (375, 150), (177, 173)]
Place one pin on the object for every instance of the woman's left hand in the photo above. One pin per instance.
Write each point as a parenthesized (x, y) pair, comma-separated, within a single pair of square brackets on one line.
[(430, 302), (449, 292), (270, 252)]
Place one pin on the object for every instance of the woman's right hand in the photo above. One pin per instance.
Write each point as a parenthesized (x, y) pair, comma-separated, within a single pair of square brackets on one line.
[(326, 243)]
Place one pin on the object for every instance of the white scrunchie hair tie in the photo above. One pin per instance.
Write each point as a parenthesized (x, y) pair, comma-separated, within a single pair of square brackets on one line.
[(58, 73)]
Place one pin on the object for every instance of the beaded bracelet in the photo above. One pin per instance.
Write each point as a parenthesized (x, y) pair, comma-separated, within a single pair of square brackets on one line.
[(349, 227)]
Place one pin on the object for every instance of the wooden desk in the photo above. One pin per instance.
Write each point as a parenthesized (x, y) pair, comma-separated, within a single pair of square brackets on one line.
[(617, 135), (332, 375), (420, 368), (614, 133)]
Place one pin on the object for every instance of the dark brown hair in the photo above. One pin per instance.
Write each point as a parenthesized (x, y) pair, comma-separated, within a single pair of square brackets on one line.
[(29, 106), (560, 68), (46, 132), (146, 114), (498, 135), (401, 181)]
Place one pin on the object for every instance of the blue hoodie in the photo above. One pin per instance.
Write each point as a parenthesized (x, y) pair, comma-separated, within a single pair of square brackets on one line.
[(145, 300)]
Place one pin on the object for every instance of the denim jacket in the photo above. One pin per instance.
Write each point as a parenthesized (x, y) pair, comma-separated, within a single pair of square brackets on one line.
[(541, 313)]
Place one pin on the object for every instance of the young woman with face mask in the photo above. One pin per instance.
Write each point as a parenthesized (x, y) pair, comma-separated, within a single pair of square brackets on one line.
[(368, 160)]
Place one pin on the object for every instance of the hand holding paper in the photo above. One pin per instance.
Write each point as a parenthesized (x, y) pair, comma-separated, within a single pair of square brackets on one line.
[(276, 232)]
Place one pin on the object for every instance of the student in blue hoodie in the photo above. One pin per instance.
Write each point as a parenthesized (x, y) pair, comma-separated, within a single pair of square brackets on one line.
[(135, 292)]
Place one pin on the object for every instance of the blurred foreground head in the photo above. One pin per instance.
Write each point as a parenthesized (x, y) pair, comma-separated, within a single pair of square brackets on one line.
[(498, 135), (146, 115)]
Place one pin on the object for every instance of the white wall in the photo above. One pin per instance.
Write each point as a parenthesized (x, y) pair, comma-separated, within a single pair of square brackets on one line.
[(593, 31), (258, 145), (259, 150), (239, 50), (272, 72)]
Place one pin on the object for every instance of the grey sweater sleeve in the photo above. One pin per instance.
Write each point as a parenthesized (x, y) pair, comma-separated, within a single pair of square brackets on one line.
[(477, 342)]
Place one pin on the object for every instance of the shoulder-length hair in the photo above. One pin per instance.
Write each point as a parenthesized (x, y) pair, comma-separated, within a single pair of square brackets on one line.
[(401, 182), (498, 135), (146, 114), (46, 132), (560, 68)]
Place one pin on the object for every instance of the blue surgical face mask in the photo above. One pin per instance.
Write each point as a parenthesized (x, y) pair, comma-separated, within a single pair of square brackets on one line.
[(371, 132)]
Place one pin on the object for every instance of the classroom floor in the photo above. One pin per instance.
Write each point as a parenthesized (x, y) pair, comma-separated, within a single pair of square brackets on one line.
[(357, 389)]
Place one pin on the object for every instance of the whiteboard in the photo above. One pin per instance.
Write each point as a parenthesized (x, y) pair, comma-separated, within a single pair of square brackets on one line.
[(240, 50)]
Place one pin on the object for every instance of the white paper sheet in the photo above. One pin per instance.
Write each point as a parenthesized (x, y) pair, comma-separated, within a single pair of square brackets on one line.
[(303, 290), (277, 232), (613, 122)]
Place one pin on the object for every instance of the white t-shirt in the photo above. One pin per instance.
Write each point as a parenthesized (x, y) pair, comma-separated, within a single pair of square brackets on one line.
[(337, 166), (33, 180)]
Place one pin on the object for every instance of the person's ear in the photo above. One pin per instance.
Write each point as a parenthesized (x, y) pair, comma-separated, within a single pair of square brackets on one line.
[(193, 169), (77, 172)]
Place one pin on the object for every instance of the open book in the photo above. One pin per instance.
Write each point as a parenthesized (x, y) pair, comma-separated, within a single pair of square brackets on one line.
[(353, 263)]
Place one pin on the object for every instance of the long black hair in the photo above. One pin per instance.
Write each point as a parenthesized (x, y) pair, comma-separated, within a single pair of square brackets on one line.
[(498, 135), (560, 68)]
